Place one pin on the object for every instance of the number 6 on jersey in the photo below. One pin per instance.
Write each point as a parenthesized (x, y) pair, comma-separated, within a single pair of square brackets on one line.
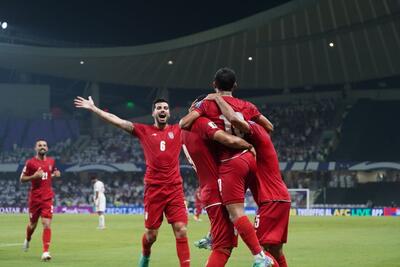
[(162, 145)]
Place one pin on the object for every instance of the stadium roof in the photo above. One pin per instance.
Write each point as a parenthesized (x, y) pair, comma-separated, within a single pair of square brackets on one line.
[(301, 43)]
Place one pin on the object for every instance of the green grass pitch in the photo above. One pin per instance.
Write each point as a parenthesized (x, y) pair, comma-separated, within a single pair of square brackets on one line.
[(313, 241)]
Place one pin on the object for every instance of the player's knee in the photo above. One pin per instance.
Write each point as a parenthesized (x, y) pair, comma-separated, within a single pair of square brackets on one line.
[(151, 235), (235, 212), (180, 230), (46, 225), (32, 225), (151, 238)]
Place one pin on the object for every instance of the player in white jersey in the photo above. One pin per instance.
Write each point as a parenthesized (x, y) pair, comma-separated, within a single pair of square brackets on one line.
[(99, 200)]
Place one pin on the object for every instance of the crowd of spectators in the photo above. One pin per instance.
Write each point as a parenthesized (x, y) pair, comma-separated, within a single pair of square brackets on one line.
[(21, 154), (12, 192), (108, 145), (17, 155), (298, 129)]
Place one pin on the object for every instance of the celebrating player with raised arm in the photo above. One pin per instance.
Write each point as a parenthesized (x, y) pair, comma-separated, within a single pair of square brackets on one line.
[(40, 170), (163, 194)]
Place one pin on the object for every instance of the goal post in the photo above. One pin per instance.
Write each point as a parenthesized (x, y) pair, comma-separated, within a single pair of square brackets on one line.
[(300, 197)]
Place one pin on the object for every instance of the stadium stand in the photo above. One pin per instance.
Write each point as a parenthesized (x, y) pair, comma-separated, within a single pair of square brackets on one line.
[(19, 135), (299, 128), (297, 136)]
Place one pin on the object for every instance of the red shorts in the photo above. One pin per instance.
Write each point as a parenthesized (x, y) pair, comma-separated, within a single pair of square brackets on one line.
[(210, 195), (39, 208), (164, 199), (223, 233), (272, 222), (234, 177)]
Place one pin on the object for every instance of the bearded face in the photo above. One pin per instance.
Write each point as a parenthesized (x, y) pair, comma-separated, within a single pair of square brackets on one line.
[(41, 148), (161, 113)]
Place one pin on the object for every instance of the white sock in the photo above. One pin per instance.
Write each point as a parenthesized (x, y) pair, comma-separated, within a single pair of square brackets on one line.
[(101, 221)]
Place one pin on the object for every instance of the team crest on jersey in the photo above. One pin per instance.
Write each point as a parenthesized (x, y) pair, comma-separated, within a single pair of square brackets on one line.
[(198, 104), (171, 135)]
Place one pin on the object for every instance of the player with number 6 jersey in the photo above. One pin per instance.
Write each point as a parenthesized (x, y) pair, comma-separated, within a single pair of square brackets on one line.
[(40, 171), (161, 149), (163, 193)]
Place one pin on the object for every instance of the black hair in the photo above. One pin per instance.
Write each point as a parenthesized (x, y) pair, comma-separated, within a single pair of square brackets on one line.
[(159, 100), (225, 79), (40, 139)]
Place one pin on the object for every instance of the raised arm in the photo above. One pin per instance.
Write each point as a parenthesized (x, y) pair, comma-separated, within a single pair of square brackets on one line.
[(187, 121), (88, 104), (265, 123)]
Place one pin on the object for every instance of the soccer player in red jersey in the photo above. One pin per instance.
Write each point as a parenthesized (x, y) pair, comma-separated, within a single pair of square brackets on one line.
[(163, 194), (270, 191), (237, 168), (200, 151), (40, 171)]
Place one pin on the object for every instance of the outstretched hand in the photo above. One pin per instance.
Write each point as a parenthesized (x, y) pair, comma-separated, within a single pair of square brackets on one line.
[(192, 106), (81, 102)]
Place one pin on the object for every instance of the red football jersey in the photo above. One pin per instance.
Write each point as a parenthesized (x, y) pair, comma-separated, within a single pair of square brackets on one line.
[(41, 188), (200, 151), (161, 149), (243, 108), (270, 183)]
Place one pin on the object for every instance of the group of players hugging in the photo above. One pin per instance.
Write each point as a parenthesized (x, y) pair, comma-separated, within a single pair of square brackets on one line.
[(227, 141)]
